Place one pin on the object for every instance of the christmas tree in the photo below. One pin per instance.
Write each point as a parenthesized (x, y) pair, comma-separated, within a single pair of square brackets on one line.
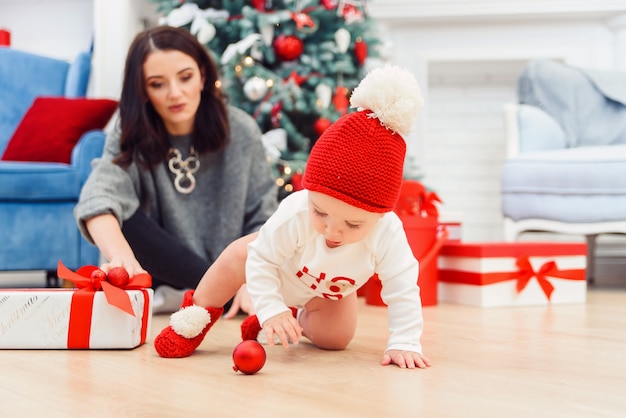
[(291, 64)]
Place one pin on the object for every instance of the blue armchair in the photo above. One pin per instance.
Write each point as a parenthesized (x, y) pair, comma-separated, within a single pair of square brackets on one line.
[(565, 171), (37, 227)]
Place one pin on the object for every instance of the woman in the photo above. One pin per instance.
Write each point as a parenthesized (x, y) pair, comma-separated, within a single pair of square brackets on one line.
[(183, 174)]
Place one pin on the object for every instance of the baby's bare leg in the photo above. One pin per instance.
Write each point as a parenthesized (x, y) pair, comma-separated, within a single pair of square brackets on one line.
[(224, 278), (330, 324)]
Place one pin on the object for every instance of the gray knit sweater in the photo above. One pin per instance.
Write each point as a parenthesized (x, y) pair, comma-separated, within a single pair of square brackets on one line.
[(235, 192)]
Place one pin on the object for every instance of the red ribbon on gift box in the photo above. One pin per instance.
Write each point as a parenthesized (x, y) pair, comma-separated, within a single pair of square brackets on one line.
[(82, 301), (522, 276)]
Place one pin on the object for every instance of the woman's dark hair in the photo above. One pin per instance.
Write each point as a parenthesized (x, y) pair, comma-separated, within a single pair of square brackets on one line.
[(143, 134)]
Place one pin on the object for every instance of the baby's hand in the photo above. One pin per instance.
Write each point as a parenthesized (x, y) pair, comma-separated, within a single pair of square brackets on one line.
[(405, 359), (286, 328)]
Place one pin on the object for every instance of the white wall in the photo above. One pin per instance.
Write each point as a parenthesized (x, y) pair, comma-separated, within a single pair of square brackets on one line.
[(58, 29), (63, 28), (467, 56), (116, 22)]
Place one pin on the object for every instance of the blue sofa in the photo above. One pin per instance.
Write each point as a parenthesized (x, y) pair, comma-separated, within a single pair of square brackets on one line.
[(37, 228), (565, 171)]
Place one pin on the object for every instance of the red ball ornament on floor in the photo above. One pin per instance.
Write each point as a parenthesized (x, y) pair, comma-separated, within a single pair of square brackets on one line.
[(249, 357), (288, 47)]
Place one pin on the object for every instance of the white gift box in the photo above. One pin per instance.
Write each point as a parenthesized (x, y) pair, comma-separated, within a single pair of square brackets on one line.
[(512, 274), (57, 319)]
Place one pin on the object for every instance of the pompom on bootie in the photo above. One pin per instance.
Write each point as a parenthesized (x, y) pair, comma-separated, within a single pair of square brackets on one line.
[(250, 327), (187, 329)]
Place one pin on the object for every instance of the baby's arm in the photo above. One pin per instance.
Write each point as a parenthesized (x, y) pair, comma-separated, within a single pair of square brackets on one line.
[(276, 242), (398, 270)]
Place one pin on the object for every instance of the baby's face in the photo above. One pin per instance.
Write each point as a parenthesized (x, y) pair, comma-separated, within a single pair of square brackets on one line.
[(339, 222)]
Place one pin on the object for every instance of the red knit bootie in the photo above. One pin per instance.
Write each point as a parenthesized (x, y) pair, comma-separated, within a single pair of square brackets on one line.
[(187, 329), (250, 327)]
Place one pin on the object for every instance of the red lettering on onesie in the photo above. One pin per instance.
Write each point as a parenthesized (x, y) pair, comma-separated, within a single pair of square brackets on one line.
[(333, 289)]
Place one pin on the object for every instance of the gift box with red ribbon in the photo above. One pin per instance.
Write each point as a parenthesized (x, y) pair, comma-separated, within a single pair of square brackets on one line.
[(94, 315), (512, 273)]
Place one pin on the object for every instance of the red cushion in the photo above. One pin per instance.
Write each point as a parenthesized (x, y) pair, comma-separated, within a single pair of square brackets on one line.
[(53, 125)]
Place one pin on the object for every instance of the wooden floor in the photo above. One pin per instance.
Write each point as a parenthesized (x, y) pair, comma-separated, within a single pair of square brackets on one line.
[(560, 361)]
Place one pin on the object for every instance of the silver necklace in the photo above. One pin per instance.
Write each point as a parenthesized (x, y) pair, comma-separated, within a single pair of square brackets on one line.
[(183, 170)]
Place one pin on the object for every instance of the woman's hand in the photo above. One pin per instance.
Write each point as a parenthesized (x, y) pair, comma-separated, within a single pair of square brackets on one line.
[(129, 263), (242, 302), (107, 234), (405, 359)]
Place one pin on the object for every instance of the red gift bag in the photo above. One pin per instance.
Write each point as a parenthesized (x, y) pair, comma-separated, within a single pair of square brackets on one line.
[(418, 212)]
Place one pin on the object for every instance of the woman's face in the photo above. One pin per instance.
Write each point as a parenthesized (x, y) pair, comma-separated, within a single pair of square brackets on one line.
[(173, 82)]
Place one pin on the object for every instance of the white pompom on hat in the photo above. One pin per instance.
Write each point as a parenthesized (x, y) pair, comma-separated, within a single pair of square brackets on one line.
[(360, 158)]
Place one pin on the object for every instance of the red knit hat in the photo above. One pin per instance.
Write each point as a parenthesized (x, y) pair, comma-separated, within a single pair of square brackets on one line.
[(360, 158)]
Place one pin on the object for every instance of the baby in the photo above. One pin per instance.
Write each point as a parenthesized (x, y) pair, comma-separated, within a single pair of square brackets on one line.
[(304, 266)]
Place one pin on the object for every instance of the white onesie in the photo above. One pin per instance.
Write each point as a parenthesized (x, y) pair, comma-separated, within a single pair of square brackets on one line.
[(289, 263)]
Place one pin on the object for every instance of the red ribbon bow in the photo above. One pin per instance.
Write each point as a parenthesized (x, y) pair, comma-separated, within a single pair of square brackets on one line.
[(416, 200), (526, 272), (548, 269), (428, 204), (115, 296), (302, 20)]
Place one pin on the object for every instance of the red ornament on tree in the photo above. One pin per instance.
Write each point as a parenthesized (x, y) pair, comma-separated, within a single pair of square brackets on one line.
[(360, 50), (329, 4), (302, 20), (351, 14), (259, 5), (321, 125), (249, 357), (296, 182), (341, 100), (275, 114), (288, 47)]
